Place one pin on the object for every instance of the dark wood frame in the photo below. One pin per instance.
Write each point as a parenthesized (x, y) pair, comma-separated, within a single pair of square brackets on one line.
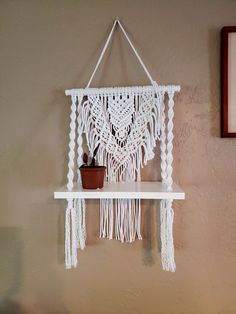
[(224, 80)]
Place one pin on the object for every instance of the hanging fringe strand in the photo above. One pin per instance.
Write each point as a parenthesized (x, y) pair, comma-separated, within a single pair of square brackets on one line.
[(167, 245), (106, 219), (75, 228), (127, 219), (75, 231)]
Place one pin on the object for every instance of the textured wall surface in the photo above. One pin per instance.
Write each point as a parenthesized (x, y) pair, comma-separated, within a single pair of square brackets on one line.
[(47, 46)]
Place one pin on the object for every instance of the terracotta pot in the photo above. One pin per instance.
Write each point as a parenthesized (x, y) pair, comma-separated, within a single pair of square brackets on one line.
[(92, 177)]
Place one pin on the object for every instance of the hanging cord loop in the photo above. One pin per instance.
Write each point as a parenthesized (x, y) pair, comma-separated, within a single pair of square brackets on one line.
[(117, 22)]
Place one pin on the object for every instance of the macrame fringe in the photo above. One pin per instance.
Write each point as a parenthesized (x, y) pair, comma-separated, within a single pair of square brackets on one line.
[(128, 216), (106, 218), (75, 231), (167, 245), (127, 219)]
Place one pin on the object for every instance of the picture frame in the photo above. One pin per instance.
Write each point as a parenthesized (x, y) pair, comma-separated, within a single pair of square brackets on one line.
[(228, 81)]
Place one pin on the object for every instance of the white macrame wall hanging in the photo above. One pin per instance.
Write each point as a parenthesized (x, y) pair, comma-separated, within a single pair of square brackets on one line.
[(126, 123)]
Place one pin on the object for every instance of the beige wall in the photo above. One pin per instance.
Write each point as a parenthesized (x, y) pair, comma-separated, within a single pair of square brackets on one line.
[(47, 46)]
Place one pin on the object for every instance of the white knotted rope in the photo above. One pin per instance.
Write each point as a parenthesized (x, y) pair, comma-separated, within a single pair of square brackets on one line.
[(170, 137), (167, 245), (70, 251), (75, 232), (71, 164), (166, 210), (80, 203), (106, 218), (163, 144)]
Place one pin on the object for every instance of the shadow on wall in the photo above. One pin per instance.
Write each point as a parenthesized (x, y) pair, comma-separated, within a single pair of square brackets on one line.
[(10, 269)]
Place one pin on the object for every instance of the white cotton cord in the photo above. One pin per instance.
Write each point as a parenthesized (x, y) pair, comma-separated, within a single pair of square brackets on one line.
[(70, 175), (137, 211), (102, 53), (101, 218), (127, 220), (80, 203), (118, 221), (70, 235), (67, 235), (158, 112), (84, 232), (70, 258), (106, 218), (167, 245), (170, 137), (130, 219), (74, 260), (80, 128), (163, 145), (81, 228), (138, 219), (136, 53), (77, 221), (75, 232), (117, 22), (110, 209)]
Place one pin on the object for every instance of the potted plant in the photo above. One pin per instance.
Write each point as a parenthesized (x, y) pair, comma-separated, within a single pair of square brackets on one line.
[(92, 175)]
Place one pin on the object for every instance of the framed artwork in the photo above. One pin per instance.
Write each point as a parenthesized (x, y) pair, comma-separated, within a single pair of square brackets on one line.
[(228, 81)]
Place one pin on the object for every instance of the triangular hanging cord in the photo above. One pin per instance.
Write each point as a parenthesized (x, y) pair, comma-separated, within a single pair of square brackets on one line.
[(117, 22)]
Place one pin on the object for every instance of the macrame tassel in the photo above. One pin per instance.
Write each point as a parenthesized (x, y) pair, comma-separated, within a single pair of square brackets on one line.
[(70, 236), (106, 218), (80, 224), (128, 220), (138, 219), (75, 231), (167, 245), (67, 236), (80, 203)]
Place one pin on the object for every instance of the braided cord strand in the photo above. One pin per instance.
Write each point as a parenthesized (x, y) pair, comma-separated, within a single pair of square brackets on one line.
[(71, 163), (80, 203), (170, 137), (167, 243), (163, 143), (70, 248), (80, 128), (166, 210)]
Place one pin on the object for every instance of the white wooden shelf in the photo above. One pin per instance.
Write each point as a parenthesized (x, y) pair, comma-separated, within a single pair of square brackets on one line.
[(129, 190)]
